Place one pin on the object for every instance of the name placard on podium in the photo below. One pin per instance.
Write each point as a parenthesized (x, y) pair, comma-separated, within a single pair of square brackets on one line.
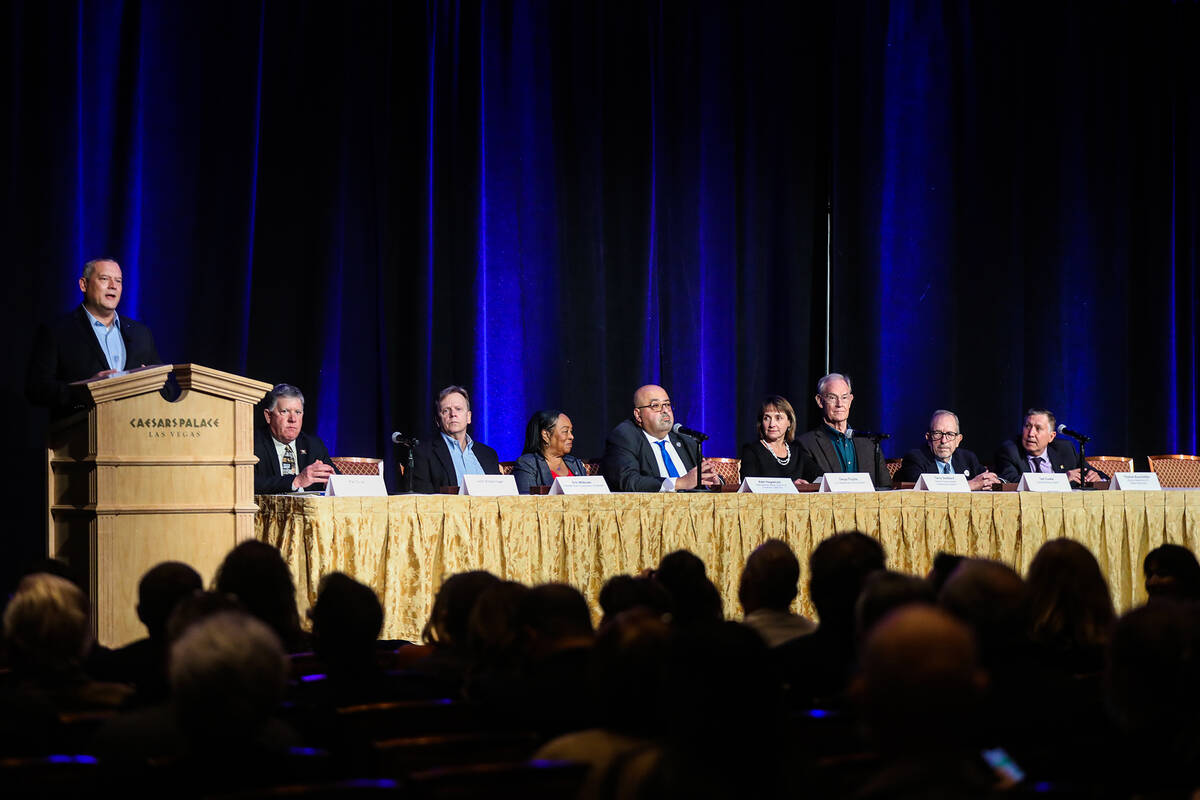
[(846, 482), (579, 484), (768, 486), (940, 482), (489, 486), (1139, 481), (1044, 482)]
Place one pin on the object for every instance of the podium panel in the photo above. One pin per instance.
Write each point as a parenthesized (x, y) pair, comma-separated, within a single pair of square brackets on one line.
[(139, 479)]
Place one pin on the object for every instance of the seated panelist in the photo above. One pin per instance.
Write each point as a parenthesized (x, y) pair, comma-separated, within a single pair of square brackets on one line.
[(547, 455), (644, 454), (774, 455), (833, 447), (1039, 450), (443, 459), (289, 460), (942, 454)]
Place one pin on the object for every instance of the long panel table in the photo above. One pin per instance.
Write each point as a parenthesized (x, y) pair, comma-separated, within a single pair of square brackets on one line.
[(404, 546)]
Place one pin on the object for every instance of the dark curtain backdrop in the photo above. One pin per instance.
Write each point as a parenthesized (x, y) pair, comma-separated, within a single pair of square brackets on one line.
[(554, 202)]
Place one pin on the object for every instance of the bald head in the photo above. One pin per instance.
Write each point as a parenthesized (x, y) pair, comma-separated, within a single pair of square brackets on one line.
[(919, 677), (652, 410)]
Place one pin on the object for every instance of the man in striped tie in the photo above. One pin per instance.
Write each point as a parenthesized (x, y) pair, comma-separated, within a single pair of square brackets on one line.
[(289, 460), (643, 454), (1039, 451), (942, 454)]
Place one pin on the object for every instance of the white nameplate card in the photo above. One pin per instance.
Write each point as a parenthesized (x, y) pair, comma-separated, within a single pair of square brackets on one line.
[(1044, 482), (355, 486), (489, 486), (1140, 481), (579, 484), (768, 486), (940, 482), (846, 482)]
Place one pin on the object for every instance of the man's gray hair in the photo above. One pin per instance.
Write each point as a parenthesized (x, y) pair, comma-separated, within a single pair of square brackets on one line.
[(227, 673), (283, 390), (830, 378), (941, 412), (46, 622), (90, 267)]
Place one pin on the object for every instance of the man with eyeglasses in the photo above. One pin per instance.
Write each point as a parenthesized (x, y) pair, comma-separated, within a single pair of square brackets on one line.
[(943, 455), (833, 445), (643, 454), (1038, 450)]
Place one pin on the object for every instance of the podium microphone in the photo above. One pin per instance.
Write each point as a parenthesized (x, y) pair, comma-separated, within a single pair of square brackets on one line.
[(695, 434)]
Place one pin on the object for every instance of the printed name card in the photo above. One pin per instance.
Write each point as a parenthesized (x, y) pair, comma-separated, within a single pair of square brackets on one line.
[(489, 486), (579, 484), (768, 486), (1140, 481), (355, 486), (940, 482), (1044, 482), (846, 482)]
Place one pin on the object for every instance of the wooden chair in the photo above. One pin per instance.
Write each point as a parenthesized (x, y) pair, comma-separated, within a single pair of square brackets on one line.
[(396, 758), (1176, 471), (1110, 464), (730, 469), (529, 780), (348, 465), (893, 466)]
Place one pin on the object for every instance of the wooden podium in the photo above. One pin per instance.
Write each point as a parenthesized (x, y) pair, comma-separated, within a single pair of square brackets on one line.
[(138, 479)]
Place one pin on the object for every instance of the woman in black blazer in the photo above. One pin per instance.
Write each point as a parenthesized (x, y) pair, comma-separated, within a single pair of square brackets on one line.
[(773, 456), (548, 440)]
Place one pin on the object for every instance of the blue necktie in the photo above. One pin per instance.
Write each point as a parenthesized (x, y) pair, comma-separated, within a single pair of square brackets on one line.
[(943, 467), (667, 462)]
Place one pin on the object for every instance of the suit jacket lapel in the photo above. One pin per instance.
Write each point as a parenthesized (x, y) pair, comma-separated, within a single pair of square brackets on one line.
[(271, 453), (865, 455), (825, 450), (442, 454), (85, 322), (685, 455)]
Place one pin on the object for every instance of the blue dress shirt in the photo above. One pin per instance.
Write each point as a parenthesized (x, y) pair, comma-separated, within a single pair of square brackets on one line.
[(110, 340), (465, 462)]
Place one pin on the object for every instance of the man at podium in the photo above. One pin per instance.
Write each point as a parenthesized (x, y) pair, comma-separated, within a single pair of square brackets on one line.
[(289, 460), (91, 342)]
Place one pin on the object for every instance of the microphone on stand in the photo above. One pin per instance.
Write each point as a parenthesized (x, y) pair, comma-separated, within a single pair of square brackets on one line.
[(1076, 435), (407, 441), (872, 435), (686, 431)]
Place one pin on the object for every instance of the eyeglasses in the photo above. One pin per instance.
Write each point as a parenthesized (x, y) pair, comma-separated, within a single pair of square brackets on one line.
[(833, 398), (942, 434), (657, 405)]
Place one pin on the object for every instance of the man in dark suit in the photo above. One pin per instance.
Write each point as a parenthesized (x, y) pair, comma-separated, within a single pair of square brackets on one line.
[(643, 454), (833, 445), (90, 343), (943, 455), (289, 460), (452, 453), (1038, 451)]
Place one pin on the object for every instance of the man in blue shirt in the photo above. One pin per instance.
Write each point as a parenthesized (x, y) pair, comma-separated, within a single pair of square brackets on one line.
[(452, 453), (833, 445), (90, 343), (943, 455)]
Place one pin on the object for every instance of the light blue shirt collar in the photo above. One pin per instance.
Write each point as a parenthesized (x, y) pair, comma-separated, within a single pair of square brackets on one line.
[(464, 461), (109, 337)]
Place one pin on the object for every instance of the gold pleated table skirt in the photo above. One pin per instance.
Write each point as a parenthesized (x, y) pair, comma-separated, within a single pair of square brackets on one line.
[(404, 546)]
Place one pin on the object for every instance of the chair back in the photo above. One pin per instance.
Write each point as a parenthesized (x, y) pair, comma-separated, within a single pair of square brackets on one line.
[(399, 757), (1111, 464), (730, 469), (507, 467), (592, 466), (893, 466), (1176, 471), (353, 465)]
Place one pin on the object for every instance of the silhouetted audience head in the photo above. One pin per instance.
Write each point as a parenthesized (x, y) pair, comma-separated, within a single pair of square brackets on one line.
[(160, 590), (993, 600), (943, 564), (227, 673), (1070, 604), (837, 567), (626, 671), (770, 578), (622, 593), (1172, 571), (198, 606), (46, 625), (257, 575), (884, 592), (494, 634), (554, 616), (449, 618), (694, 598), (920, 682), (346, 619)]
